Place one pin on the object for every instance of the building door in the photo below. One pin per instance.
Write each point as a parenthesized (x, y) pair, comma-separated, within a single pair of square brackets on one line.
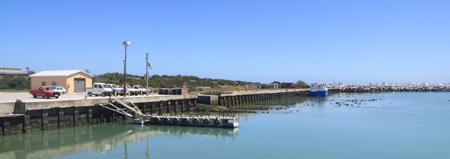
[(79, 85)]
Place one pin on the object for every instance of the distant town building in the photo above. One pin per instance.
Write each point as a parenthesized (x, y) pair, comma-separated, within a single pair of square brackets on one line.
[(74, 81), (272, 85), (14, 72), (287, 85)]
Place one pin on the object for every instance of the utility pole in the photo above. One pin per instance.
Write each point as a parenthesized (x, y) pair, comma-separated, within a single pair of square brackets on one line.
[(126, 43), (147, 66), (146, 75)]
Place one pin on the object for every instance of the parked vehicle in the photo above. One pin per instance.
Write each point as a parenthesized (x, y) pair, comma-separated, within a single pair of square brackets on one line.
[(132, 91), (45, 92), (117, 90), (99, 89), (142, 89), (59, 89)]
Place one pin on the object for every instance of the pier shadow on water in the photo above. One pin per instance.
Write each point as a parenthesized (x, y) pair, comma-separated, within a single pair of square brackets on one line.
[(99, 137)]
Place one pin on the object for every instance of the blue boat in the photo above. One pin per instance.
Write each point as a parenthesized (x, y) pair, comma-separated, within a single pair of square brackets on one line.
[(318, 90)]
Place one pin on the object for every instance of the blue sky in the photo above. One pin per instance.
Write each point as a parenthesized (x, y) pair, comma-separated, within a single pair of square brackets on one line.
[(253, 40)]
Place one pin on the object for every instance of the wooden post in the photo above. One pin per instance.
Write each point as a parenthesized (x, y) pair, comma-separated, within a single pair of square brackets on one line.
[(227, 101), (259, 99), (113, 116), (101, 115), (151, 107), (188, 105), (44, 120), (60, 116), (232, 101), (182, 105), (252, 99), (160, 107), (168, 106), (89, 115), (75, 115), (175, 107), (239, 100), (25, 122), (2, 124), (144, 106)]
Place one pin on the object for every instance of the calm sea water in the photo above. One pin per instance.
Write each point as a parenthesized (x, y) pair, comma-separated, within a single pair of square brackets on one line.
[(383, 125)]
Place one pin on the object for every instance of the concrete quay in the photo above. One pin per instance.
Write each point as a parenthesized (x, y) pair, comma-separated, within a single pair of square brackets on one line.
[(246, 97), (8, 107), (42, 115)]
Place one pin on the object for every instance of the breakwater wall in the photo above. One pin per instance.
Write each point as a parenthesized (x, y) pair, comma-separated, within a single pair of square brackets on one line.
[(391, 87), (31, 116)]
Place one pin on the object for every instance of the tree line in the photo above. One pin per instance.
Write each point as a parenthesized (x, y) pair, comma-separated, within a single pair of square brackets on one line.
[(155, 81), (15, 83)]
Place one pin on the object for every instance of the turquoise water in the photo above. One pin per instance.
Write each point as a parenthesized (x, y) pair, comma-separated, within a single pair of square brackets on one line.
[(383, 125)]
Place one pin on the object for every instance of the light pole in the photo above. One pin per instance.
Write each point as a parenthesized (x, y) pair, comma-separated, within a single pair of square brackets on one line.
[(126, 43)]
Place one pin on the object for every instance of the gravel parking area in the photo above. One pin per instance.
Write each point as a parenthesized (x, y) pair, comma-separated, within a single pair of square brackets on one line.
[(26, 97)]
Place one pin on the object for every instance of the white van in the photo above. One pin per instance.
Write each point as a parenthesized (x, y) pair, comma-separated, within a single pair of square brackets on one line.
[(117, 90), (99, 89), (131, 91)]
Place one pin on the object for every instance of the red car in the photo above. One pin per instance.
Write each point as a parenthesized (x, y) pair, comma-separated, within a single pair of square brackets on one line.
[(45, 92)]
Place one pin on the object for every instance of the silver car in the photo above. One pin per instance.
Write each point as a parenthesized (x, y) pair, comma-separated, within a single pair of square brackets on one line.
[(142, 90)]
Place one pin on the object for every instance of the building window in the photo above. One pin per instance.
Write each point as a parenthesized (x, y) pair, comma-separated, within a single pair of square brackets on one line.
[(54, 83), (44, 83)]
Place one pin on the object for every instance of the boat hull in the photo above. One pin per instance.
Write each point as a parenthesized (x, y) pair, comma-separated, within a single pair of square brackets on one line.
[(318, 93)]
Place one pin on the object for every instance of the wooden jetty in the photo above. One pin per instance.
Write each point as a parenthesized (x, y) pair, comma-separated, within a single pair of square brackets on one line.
[(181, 120)]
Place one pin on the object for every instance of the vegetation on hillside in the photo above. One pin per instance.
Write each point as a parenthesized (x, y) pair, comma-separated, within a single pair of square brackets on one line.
[(14, 83), (166, 81)]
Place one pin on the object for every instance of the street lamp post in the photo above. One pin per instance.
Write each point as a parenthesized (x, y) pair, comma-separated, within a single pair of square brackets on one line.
[(126, 43)]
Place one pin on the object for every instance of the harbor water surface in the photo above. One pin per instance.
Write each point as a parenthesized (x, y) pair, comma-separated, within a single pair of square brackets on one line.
[(380, 125)]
